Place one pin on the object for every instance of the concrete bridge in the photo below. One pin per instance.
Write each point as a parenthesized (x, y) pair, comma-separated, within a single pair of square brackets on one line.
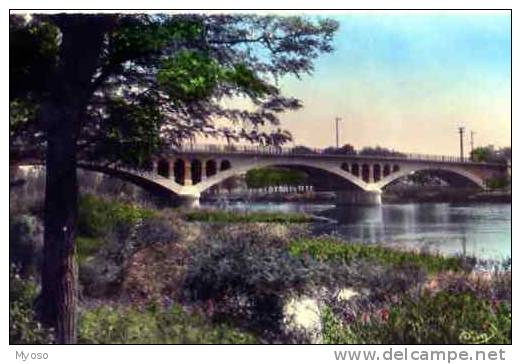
[(190, 171)]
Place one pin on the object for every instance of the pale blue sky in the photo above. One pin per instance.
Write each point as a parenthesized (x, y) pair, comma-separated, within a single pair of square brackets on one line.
[(406, 81)]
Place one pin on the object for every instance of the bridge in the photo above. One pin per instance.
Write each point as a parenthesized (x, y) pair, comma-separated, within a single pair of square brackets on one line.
[(191, 170)]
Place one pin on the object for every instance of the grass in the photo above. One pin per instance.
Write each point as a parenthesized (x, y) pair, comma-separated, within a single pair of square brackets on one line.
[(326, 249), (221, 216), (154, 325), (86, 247)]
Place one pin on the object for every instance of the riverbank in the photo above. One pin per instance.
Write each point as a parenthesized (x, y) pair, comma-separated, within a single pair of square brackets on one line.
[(154, 276), (391, 196)]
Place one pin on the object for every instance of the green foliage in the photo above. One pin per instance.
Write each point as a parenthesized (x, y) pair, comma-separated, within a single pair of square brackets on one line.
[(131, 133), (86, 247), (432, 318), (193, 76), (491, 155), (139, 40), (33, 51), (21, 112), (26, 243), (266, 177), (23, 326), (333, 331), (222, 216), (153, 325), (246, 80), (326, 249), (380, 151), (97, 217), (189, 76), (499, 182)]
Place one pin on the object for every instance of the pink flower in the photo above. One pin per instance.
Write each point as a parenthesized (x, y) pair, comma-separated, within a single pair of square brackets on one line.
[(384, 314)]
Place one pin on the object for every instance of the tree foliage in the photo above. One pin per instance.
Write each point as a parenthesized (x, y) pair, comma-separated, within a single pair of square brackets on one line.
[(267, 177), (175, 71), (491, 155)]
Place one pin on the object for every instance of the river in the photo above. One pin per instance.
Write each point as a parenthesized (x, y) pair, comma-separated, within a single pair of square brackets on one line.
[(481, 230)]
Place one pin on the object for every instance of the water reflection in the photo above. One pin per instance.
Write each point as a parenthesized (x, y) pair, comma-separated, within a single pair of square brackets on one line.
[(483, 230)]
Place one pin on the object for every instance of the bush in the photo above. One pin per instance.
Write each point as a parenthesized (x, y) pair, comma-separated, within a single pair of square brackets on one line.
[(26, 243), (103, 260), (97, 217), (247, 274), (23, 326), (153, 325), (498, 182)]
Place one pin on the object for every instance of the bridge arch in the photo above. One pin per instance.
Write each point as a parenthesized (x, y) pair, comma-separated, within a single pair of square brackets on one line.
[(404, 171), (288, 163), (138, 177)]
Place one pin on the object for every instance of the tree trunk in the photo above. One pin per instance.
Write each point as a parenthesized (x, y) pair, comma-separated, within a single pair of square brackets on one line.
[(70, 91), (59, 273)]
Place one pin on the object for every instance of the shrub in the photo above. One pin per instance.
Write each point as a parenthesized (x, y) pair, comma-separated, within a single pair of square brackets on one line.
[(26, 243), (23, 326), (104, 257), (153, 325), (247, 274), (97, 217)]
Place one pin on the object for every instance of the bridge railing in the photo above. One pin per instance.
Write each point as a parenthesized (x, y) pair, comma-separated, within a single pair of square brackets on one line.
[(286, 151)]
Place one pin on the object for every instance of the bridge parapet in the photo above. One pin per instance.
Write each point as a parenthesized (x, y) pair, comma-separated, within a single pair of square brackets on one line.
[(219, 149)]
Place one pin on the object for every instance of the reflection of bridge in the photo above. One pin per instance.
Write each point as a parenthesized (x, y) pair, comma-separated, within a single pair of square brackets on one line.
[(357, 179)]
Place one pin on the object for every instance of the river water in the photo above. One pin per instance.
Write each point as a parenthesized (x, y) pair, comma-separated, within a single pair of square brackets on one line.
[(481, 230)]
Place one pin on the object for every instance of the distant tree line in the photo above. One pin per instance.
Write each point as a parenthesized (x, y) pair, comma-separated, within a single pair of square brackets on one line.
[(264, 178), (490, 154), (348, 149)]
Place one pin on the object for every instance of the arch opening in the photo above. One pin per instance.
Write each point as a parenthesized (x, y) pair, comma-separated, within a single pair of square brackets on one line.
[(210, 168), (355, 170), (225, 165), (196, 171), (386, 170), (318, 179), (376, 172), (365, 173), (163, 168), (433, 178), (179, 171)]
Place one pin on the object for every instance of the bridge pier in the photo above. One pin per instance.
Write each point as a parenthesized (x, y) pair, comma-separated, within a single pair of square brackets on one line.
[(358, 197), (188, 201)]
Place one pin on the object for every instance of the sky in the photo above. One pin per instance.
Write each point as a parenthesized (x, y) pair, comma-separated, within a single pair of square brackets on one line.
[(406, 81)]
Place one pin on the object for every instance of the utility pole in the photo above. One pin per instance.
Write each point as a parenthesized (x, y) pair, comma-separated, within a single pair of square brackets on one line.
[(472, 140), (337, 119), (461, 130)]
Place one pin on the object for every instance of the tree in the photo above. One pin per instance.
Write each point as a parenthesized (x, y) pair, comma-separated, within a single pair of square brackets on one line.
[(117, 88), (491, 155), (346, 149), (380, 151)]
